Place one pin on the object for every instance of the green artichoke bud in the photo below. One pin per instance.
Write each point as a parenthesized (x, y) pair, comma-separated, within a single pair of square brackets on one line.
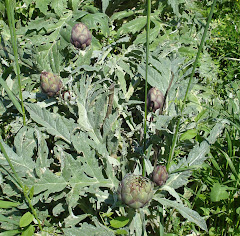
[(135, 191), (50, 83), (160, 175), (155, 99), (81, 37)]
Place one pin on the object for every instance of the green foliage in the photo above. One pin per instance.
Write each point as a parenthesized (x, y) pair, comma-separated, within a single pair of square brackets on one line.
[(78, 145)]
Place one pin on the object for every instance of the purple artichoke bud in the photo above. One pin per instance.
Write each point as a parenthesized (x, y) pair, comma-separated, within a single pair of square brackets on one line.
[(160, 175), (155, 99), (81, 37), (50, 83), (135, 191)]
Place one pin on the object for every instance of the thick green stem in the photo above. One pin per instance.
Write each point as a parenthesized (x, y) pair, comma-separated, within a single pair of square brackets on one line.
[(174, 142), (146, 81), (19, 182), (11, 22)]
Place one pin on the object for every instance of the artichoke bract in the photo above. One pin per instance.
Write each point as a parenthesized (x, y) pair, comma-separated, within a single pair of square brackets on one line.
[(50, 83), (135, 190), (81, 37), (160, 175), (155, 99)]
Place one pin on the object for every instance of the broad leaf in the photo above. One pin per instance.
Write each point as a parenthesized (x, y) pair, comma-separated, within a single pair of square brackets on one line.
[(218, 193)]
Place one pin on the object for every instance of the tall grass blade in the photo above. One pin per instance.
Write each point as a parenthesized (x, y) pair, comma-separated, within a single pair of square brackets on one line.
[(146, 77), (11, 21)]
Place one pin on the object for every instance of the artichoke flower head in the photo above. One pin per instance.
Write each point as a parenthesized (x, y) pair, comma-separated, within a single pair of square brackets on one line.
[(135, 190), (51, 84), (155, 99), (81, 37), (160, 175)]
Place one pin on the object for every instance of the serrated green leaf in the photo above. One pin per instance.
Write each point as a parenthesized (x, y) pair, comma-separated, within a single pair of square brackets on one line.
[(122, 14), (22, 165), (132, 26), (43, 5), (195, 158), (54, 125), (58, 6), (97, 21), (26, 219), (186, 212), (72, 220), (88, 229), (42, 151), (154, 32), (83, 120), (25, 143), (159, 76), (75, 4), (175, 5), (49, 183), (85, 173)]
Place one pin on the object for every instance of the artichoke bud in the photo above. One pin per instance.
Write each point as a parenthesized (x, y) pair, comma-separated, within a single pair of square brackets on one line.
[(135, 191), (51, 84), (155, 99), (81, 36), (160, 175)]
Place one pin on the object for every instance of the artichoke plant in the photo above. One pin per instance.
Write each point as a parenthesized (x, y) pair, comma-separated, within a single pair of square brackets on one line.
[(51, 84), (160, 175), (135, 191), (155, 99), (81, 36)]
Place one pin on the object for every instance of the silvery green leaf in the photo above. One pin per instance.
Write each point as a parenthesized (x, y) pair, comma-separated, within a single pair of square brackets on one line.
[(23, 165), (172, 192), (136, 225), (195, 158), (198, 154), (186, 212), (88, 229), (83, 118), (177, 180), (72, 220), (105, 4), (159, 79), (49, 183), (25, 143), (53, 124), (132, 26)]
